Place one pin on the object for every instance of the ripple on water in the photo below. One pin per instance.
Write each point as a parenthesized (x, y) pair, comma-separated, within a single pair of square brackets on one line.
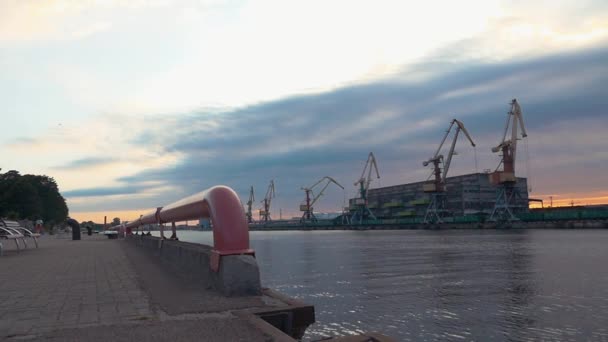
[(443, 285)]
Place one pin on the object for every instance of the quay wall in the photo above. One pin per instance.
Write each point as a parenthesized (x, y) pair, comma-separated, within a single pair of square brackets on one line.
[(238, 275), (557, 224)]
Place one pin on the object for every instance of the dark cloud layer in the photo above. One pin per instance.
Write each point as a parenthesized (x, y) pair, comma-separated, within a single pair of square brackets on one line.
[(104, 191), (299, 139), (85, 162)]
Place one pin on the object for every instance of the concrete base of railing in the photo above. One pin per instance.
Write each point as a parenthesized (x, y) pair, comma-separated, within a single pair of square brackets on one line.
[(238, 275)]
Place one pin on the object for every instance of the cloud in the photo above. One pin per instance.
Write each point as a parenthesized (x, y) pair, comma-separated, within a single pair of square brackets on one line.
[(103, 191), (102, 146), (387, 80), (299, 139), (56, 19), (86, 163), (31, 20)]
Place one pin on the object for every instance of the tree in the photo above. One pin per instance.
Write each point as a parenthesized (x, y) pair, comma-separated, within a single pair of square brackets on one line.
[(31, 197), (115, 221)]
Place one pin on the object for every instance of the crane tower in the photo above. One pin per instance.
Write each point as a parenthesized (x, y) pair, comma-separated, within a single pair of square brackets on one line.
[(507, 192), (265, 211), (437, 188), (361, 206), (249, 214)]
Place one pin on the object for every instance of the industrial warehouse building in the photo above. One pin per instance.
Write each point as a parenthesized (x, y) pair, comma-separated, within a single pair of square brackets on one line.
[(465, 195)]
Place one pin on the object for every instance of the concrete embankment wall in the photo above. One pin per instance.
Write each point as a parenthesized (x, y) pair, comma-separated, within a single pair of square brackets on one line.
[(582, 224), (238, 275)]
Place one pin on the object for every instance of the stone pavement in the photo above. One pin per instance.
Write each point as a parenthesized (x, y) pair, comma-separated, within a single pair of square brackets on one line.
[(97, 289)]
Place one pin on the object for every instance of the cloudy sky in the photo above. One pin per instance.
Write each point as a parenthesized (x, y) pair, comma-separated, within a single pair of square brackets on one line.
[(133, 104)]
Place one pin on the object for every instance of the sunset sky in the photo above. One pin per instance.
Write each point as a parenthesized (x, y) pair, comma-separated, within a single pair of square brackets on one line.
[(131, 105)]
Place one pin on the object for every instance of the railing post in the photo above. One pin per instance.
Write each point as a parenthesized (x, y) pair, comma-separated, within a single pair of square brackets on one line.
[(158, 221), (173, 232)]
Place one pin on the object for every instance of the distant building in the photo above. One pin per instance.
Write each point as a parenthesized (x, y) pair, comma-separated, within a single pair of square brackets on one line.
[(465, 195), (326, 216)]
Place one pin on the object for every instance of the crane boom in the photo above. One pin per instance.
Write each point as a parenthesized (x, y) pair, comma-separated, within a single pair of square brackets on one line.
[(362, 210), (451, 153), (307, 207), (438, 158), (329, 181), (265, 212), (436, 155), (249, 205), (270, 192), (515, 120), (371, 162)]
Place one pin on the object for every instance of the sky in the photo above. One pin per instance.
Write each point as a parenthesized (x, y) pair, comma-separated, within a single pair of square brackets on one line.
[(131, 105)]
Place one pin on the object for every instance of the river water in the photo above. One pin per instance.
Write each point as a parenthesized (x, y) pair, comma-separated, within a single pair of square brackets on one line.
[(514, 285)]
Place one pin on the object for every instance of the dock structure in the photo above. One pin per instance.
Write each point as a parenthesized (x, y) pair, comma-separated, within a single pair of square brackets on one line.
[(98, 289)]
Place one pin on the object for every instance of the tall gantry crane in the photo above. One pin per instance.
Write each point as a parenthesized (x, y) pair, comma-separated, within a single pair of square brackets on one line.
[(307, 206), (361, 206), (265, 211), (508, 193), (437, 187), (249, 214)]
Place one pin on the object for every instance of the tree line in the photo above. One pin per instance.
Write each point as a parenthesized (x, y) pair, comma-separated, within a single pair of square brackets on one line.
[(31, 197)]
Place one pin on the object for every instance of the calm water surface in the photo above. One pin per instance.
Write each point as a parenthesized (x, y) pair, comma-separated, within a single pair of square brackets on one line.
[(442, 285)]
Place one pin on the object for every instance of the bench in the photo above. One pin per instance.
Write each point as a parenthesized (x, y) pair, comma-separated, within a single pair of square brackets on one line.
[(10, 234), (15, 227), (111, 234)]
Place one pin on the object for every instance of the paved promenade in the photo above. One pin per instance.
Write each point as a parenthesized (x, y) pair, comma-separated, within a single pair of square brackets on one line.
[(97, 289)]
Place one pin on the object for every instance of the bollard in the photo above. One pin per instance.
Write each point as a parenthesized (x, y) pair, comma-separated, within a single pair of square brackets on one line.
[(75, 228)]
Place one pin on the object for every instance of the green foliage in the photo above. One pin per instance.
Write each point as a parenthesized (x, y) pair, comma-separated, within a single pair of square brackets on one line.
[(31, 197)]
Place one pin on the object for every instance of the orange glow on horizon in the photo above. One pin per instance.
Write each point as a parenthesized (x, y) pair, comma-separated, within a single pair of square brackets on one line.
[(567, 200), (563, 200), (97, 216)]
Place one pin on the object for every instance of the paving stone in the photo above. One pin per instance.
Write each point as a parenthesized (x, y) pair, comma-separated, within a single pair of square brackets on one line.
[(87, 290)]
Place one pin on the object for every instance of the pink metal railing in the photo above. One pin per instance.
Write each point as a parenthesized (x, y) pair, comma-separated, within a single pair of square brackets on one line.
[(220, 204)]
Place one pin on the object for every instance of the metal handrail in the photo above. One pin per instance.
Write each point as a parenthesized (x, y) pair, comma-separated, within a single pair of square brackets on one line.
[(222, 206)]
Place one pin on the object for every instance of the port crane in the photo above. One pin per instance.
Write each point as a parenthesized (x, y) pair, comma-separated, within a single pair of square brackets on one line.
[(360, 203), (507, 191), (249, 214), (437, 187), (265, 211), (307, 206)]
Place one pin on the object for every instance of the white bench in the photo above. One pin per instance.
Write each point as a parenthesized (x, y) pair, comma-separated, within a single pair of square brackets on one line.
[(24, 232), (111, 234), (10, 234)]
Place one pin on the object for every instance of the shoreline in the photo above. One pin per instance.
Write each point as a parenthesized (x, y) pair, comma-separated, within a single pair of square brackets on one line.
[(574, 224)]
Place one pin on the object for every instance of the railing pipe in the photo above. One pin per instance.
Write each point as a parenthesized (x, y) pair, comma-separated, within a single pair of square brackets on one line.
[(220, 204)]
